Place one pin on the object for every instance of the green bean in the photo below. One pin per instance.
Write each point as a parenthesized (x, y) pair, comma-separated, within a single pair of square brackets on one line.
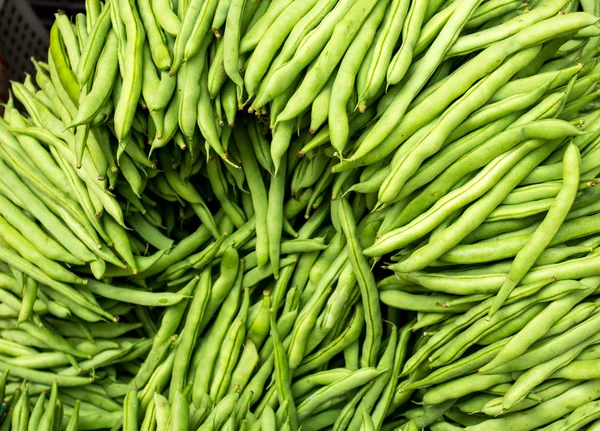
[(542, 352), (85, 174), (45, 377), (130, 411), (386, 364), (434, 304), (36, 206), (251, 10), (81, 134), (385, 400), (179, 414), (11, 348), (339, 300), (410, 30), (366, 283), (90, 53), (374, 68), (95, 397), (49, 415), (132, 77), (465, 385), (184, 32), (283, 377), (160, 52), (532, 192), (537, 292), (481, 328), (357, 379), (581, 416), (258, 194), (546, 391), (461, 192), (426, 67), (433, 25), (483, 38), (231, 41), (121, 242), (213, 339), (512, 326), (305, 385), (23, 338), (92, 102), (165, 16), (522, 39), (220, 413), (490, 13), (29, 298), (260, 146), (162, 411), (229, 102), (44, 161), (188, 76), (206, 120), (32, 271), (81, 30), (36, 413), (244, 369), (517, 86), (435, 139), (577, 315), (575, 228), (320, 106), (275, 216), (492, 281), (217, 77), (190, 194), (148, 232), (577, 370), (323, 20), (15, 240), (526, 381), (149, 421), (347, 412), (17, 406), (486, 204), (267, 47), (74, 421), (182, 250), (40, 360), (547, 229), (220, 16), (39, 239), (475, 138), (93, 9), (347, 338), (346, 75), (496, 110), (504, 212), (229, 353), (60, 60), (217, 180), (332, 53), (188, 338), (149, 299), (260, 23), (93, 420)]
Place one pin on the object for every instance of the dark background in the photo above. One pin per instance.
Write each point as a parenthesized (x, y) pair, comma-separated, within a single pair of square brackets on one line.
[(24, 31), (45, 9)]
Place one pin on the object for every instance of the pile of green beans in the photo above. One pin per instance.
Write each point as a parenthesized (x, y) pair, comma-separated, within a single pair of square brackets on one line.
[(304, 215)]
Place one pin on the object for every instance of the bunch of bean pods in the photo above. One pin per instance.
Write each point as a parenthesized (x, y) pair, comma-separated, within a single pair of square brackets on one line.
[(304, 215)]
